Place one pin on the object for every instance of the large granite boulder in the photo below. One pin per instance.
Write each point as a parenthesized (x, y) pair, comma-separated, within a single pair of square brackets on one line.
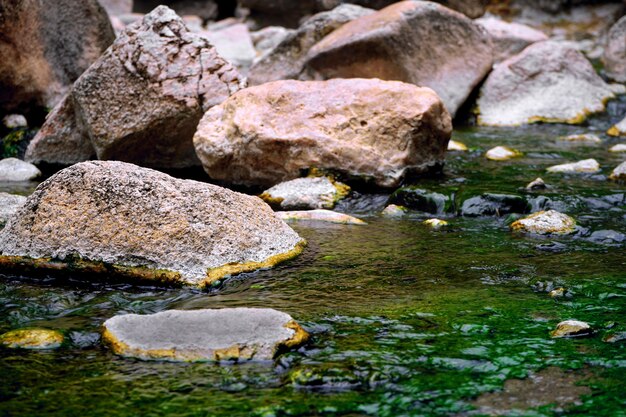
[(509, 38), (141, 101), (614, 57), (45, 46), (417, 42), (114, 218), (228, 334), (287, 60), (548, 82), (372, 130)]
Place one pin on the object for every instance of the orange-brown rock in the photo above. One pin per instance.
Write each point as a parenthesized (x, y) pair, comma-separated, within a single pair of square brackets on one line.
[(376, 131), (417, 42)]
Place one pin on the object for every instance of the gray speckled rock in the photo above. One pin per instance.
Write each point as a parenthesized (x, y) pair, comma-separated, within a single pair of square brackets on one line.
[(614, 57), (305, 193), (13, 169), (287, 60), (548, 82), (204, 335), (9, 204), (509, 38), (116, 218), (619, 173)]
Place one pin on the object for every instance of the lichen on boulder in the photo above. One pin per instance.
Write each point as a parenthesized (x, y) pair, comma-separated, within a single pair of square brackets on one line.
[(32, 339)]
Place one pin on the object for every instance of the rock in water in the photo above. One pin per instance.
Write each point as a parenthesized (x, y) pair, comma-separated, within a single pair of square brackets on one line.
[(287, 60), (489, 204), (620, 147), (318, 215), (306, 193), (571, 328), (114, 218), (9, 204), (373, 130), (393, 210), (13, 169), (204, 335), (619, 129), (619, 173), (32, 339), (509, 38), (454, 145), (502, 153), (417, 42), (587, 166), (548, 82), (45, 46), (545, 222), (141, 101), (614, 57)]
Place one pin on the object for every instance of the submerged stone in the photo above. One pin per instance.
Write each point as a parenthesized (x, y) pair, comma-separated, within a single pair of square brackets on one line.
[(587, 166), (32, 339), (13, 169), (435, 223), (571, 328), (536, 184), (454, 145), (619, 173), (229, 334), (494, 205), (114, 218), (607, 237), (422, 200), (393, 210), (319, 215), (545, 222), (9, 204), (502, 153), (306, 193), (557, 292)]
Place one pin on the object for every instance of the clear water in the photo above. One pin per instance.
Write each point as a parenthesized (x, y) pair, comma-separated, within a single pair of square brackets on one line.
[(406, 321)]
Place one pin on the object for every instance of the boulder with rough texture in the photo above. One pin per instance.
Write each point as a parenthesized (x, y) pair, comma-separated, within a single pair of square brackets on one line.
[(509, 38), (142, 100), (9, 204), (306, 193), (587, 166), (545, 222), (115, 218), (45, 46), (287, 60), (373, 130), (619, 129), (614, 57), (32, 339), (229, 334), (417, 42), (13, 169), (318, 215), (572, 328), (619, 173), (548, 82)]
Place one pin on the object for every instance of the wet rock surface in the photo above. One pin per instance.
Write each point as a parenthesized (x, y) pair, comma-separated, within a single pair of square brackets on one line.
[(378, 131), (423, 200), (545, 222), (32, 339), (619, 173), (84, 218), (494, 205), (571, 328), (587, 166), (305, 193), (229, 334), (318, 215)]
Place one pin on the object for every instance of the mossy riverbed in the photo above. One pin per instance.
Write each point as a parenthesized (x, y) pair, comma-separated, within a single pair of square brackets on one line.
[(405, 320)]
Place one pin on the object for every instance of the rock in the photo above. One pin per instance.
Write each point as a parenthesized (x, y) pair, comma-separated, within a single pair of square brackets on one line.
[(470, 8), (13, 169), (509, 38), (318, 215), (204, 9), (571, 328), (393, 210), (306, 193), (32, 339), (454, 145), (268, 38), (619, 173), (607, 237), (287, 60), (14, 121), (615, 337), (117, 7), (557, 292), (494, 205), (141, 101), (502, 153), (545, 222), (619, 129), (620, 147), (585, 137), (614, 57), (372, 130), (547, 82), (9, 204), (536, 184), (61, 140), (423, 200), (45, 46), (113, 218), (587, 166), (417, 42), (228, 334), (234, 44), (435, 223)]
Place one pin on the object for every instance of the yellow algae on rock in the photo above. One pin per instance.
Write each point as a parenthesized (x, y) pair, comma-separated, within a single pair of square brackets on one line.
[(32, 339), (435, 223), (545, 222), (454, 145)]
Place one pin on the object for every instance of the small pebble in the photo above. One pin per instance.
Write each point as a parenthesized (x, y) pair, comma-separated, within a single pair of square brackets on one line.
[(571, 328), (502, 153), (454, 145), (435, 223), (537, 184), (393, 210)]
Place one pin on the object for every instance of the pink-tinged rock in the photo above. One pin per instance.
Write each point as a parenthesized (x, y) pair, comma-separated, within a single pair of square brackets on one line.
[(509, 38), (374, 130), (417, 42), (614, 57)]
